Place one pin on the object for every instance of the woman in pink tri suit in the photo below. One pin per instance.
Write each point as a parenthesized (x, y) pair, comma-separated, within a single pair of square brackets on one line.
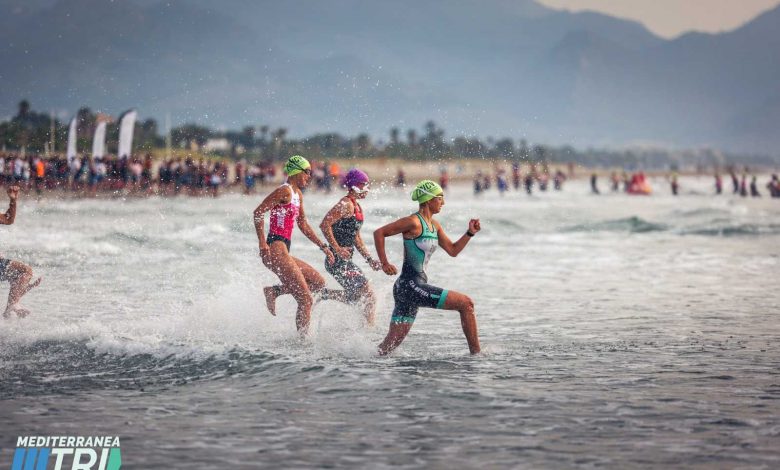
[(298, 278)]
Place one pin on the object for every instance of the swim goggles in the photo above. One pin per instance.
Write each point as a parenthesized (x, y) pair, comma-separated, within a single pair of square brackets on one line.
[(305, 170), (362, 190)]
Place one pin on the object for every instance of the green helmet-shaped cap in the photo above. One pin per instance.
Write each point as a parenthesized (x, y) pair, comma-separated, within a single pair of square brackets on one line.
[(295, 165), (425, 191)]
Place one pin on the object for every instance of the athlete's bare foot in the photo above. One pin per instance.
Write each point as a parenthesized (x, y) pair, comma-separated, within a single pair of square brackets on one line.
[(270, 299), (20, 312)]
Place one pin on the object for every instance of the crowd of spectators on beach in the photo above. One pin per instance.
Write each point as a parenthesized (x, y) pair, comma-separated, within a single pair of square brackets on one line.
[(136, 175), (139, 175)]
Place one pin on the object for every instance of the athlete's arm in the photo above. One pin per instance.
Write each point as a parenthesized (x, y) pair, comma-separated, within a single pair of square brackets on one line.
[(280, 195), (404, 225), (453, 249), (306, 229), (10, 215), (336, 213), (361, 248)]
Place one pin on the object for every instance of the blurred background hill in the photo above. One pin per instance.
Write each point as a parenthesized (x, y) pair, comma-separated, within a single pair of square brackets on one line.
[(497, 67)]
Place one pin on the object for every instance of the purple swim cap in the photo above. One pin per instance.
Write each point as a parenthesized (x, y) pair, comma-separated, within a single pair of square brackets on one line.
[(355, 177)]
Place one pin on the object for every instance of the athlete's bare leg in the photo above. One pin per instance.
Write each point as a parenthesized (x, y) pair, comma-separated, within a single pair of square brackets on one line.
[(315, 282), (19, 275), (455, 301), (283, 265), (468, 320), (368, 301), (314, 279), (395, 336), (271, 293)]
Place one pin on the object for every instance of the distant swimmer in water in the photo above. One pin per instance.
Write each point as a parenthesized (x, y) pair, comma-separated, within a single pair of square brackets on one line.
[(341, 227), (286, 206), (15, 272), (421, 234)]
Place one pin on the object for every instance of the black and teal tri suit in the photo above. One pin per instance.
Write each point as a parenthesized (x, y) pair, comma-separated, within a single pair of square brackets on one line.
[(411, 290)]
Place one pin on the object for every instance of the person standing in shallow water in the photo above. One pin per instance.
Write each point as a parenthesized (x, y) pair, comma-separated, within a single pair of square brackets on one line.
[(754, 187), (286, 206), (15, 272), (341, 227), (594, 185), (774, 187), (734, 181), (421, 234), (675, 185)]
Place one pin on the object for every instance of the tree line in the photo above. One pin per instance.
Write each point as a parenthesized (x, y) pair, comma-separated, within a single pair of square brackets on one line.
[(36, 132)]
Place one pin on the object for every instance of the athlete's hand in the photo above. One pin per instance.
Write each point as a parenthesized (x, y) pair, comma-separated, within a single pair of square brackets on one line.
[(474, 226), (13, 192), (343, 252), (329, 255), (265, 250), (389, 269), (375, 265)]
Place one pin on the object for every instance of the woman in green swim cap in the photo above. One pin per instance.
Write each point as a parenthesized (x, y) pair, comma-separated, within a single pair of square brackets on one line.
[(421, 234), (298, 278)]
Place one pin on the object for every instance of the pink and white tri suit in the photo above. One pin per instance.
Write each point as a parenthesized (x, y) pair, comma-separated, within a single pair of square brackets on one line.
[(283, 218)]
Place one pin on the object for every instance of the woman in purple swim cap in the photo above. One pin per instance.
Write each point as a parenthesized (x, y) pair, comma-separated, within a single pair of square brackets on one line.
[(341, 227)]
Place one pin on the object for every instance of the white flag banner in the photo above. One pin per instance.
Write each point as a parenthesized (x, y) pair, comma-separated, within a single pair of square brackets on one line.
[(99, 141), (71, 153), (126, 128)]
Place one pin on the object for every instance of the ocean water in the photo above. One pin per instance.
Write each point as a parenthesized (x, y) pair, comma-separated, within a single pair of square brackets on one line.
[(617, 332)]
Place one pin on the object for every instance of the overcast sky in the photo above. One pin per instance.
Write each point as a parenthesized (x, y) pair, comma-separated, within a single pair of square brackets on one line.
[(670, 18)]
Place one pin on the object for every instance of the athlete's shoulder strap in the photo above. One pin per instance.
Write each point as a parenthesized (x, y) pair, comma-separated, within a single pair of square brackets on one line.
[(424, 224), (292, 191), (356, 206)]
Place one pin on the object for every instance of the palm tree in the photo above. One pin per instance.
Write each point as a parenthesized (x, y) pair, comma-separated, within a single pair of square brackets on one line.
[(247, 138), (394, 132), (411, 138), (363, 143), (278, 137), (24, 109)]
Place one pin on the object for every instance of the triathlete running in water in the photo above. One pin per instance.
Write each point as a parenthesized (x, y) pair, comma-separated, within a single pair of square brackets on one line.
[(421, 234), (286, 206), (341, 227), (15, 272)]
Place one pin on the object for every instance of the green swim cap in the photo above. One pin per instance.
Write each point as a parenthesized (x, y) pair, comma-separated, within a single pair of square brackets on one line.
[(425, 191), (296, 164)]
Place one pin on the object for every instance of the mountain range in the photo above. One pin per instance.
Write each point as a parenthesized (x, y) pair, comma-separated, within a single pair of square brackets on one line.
[(490, 68)]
